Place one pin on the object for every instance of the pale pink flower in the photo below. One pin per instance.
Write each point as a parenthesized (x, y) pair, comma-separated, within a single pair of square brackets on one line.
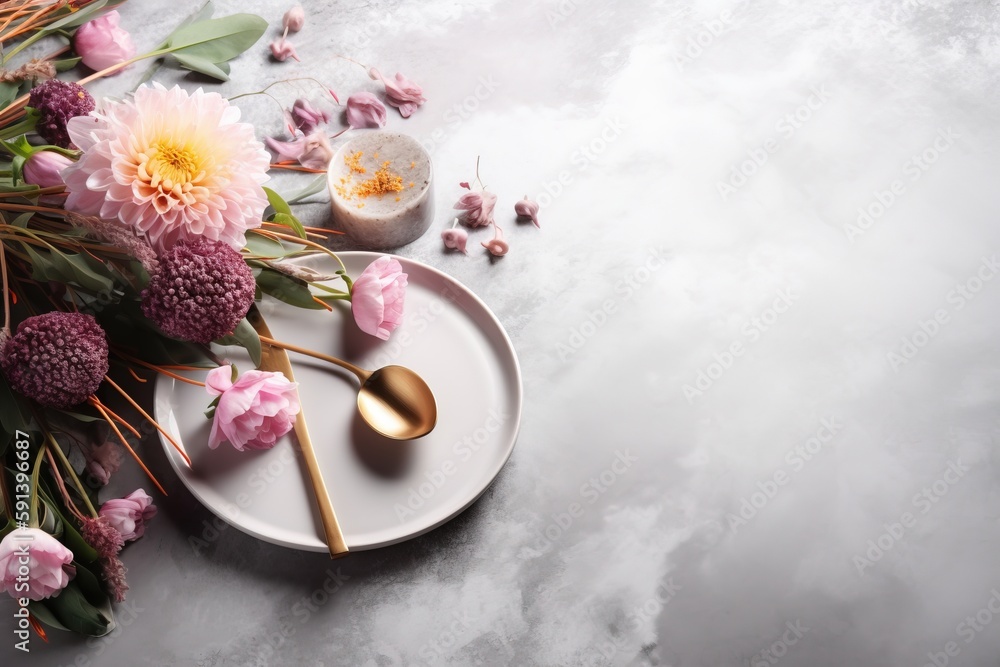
[(170, 164), (46, 559), (44, 168), (254, 411), (377, 297), (497, 246), (527, 208), (129, 515), (455, 239), (306, 118), (294, 19), (400, 92), (365, 111), (102, 43), (478, 208), (282, 50), (313, 151)]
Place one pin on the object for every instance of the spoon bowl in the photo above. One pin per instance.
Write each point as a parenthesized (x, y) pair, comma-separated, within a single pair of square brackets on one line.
[(397, 403)]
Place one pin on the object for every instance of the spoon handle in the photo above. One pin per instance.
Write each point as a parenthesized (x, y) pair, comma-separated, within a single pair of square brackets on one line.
[(360, 372)]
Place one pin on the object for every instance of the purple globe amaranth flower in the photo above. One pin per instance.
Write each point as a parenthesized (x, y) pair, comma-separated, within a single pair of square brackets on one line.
[(56, 102), (200, 291), (57, 359)]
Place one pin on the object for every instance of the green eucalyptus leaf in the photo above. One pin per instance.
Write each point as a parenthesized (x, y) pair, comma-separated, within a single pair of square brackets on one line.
[(245, 336), (318, 185), (66, 63), (264, 246), (217, 40), (75, 612), (277, 202), (196, 63), (290, 221), (8, 93)]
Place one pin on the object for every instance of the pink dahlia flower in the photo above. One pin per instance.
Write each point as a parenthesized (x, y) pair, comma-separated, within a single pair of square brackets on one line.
[(254, 411), (43, 556), (377, 297), (172, 165), (129, 515)]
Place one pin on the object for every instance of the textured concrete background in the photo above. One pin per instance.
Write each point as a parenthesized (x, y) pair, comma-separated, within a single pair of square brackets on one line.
[(808, 382)]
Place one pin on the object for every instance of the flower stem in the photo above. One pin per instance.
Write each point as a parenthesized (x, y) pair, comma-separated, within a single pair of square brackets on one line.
[(61, 483), (6, 288), (33, 493), (51, 444)]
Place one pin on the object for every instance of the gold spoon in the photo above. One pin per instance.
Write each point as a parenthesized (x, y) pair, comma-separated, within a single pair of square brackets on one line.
[(393, 400)]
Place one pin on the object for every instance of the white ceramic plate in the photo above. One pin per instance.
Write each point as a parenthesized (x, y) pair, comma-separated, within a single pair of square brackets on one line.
[(384, 491)]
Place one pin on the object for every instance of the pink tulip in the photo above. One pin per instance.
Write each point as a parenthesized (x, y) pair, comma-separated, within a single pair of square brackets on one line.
[(101, 43), (377, 297), (129, 515), (44, 169), (364, 111), (44, 557), (478, 208), (254, 411), (400, 93)]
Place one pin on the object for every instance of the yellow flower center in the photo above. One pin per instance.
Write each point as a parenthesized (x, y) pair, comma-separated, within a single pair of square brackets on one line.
[(171, 165)]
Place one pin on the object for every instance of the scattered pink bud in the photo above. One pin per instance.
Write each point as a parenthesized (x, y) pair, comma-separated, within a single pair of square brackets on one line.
[(294, 19), (455, 239), (333, 94), (102, 43), (312, 151), (282, 50), (306, 117), (44, 169), (364, 111), (478, 208), (497, 246), (400, 92), (129, 515), (465, 184), (527, 208)]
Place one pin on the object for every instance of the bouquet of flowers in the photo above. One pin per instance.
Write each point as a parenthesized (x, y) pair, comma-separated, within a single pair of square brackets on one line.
[(134, 234)]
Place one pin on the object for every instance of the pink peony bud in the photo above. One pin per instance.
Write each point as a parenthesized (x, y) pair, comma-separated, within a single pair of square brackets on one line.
[(282, 50), (377, 297), (455, 239), (50, 568), (527, 208), (129, 515), (364, 110), (44, 169), (497, 246), (101, 43), (294, 19), (478, 208), (254, 411)]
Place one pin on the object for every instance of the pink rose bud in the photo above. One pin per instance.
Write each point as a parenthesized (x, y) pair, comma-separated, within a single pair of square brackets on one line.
[(129, 515), (455, 239), (527, 209), (294, 19), (282, 50), (478, 208), (252, 412), (364, 111), (50, 568), (400, 92), (306, 117), (101, 43), (377, 297), (44, 169)]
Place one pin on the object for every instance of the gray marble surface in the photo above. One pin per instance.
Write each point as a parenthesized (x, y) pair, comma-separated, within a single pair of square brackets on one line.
[(766, 284)]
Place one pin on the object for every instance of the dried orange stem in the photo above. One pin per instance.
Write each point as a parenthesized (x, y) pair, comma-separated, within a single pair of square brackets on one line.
[(100, 408), (158, 369), (170, 439)]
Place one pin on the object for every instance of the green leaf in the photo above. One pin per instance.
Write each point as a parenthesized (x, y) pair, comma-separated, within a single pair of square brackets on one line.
[(277, 203), (66, 63), (264, 246), (42, 613), (318, 185), (76, 18), (287, 289), (8, 93), (75, 612), (290, 221), (196, 63), (245, 336), (217, 40)]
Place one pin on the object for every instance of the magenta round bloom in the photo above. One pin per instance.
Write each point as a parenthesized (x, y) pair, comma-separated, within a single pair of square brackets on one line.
[(200, 291), (56, 102), (57, 359)]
